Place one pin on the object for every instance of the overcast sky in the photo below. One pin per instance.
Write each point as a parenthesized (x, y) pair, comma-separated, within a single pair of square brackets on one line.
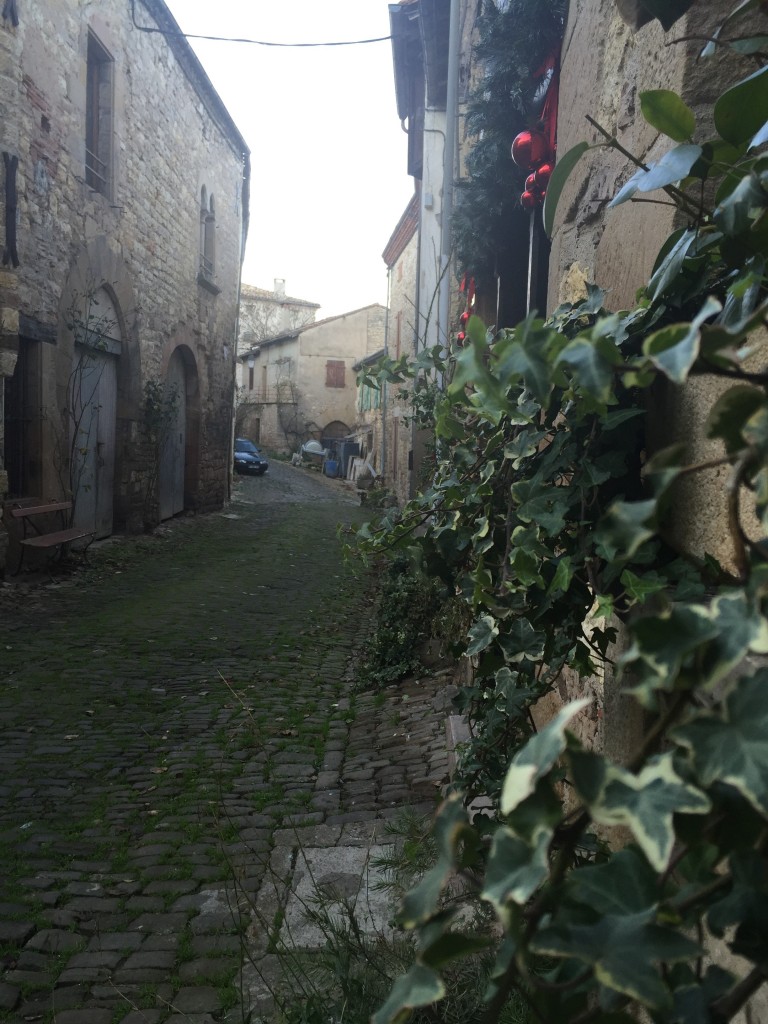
[(328, 155)]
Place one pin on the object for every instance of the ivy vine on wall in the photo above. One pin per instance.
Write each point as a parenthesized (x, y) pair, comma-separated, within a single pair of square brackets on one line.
[(548, 518)]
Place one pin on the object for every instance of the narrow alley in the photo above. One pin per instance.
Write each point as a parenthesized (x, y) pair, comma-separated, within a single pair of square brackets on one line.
[(177, 716)]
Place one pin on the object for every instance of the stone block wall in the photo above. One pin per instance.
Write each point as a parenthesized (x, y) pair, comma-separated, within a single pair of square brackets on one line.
[(170, 138)]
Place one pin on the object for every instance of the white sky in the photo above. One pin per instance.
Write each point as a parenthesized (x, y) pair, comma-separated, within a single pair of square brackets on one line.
[(328, 155)]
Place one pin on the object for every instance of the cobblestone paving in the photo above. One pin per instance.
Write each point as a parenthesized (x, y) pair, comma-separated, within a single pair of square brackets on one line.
[(174, 716)]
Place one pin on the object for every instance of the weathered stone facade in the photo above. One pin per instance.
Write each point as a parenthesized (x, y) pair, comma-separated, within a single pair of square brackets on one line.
[(304, 382), (132, 210), (266, 314), (384, 433)]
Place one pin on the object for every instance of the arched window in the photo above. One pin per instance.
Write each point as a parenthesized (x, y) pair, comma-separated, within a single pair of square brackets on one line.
[(207, 235)]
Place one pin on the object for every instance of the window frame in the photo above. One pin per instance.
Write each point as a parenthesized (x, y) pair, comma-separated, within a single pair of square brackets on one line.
[(99, 116)]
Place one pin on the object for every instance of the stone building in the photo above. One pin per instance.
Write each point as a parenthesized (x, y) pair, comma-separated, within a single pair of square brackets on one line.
[(384, 434), (611, 52), (301, 385), (267, 314), (126, 210)]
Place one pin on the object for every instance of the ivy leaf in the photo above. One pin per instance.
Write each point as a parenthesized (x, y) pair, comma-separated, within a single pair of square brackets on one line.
[(740, 111), (626, 884), (515, 868), (624, 950), (563, 576), (671, 168), (736, 213), (640, 587), (535, 759), (663, 642), (521, 641), (675, 349), (760, 137), (711, 48), (732, 746), (668, 113), (730, 412), (482, 633), (450, 827), (646, 803), (671, 264), (625, 526), (560, 175), (525, 359), (593, 371), (421, 986), (740, 628)]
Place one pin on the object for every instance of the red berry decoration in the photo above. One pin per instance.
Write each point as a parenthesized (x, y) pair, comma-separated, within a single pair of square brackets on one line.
[(529, 150), (542, 176), (461, 337), (465, 316), (530, 200), (531, 185)]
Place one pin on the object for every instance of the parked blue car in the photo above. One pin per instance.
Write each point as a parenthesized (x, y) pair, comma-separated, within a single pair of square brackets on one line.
[(248, 458)]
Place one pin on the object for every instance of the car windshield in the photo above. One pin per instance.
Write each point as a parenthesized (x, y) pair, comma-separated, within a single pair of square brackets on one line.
[(241, 445)]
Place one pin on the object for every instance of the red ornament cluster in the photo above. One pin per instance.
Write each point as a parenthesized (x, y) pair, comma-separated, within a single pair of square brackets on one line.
[(531, 152)]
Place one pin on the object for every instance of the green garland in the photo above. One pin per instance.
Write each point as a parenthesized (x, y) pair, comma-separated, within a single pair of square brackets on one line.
[(513, 43)]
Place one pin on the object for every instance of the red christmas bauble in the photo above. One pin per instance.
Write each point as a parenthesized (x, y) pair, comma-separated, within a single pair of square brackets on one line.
[(531, 184), (530, 200), (465, 316), (542, 175), (529, 150), (460, 337)]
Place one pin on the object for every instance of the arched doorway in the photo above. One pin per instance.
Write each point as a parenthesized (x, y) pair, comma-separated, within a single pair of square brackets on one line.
[(92, 410), (173, 448)]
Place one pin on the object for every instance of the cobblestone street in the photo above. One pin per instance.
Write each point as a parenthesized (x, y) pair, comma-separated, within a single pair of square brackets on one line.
[(178, 718)]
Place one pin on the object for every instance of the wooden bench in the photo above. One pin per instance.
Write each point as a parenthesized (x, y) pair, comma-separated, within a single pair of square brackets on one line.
[(27, 511)]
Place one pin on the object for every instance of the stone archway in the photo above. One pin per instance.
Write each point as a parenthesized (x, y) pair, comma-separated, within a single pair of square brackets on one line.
[(178, 473)]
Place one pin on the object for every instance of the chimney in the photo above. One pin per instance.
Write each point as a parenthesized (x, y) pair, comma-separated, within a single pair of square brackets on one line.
[(280, 287)]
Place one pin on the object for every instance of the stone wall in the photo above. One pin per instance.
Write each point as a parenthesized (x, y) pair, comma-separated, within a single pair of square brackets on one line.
[(140, 238)]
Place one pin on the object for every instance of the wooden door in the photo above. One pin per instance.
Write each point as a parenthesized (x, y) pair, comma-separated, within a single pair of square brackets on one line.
[(94, 406)]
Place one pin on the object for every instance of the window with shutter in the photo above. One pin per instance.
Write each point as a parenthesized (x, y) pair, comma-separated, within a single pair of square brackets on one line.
[(334, 373)]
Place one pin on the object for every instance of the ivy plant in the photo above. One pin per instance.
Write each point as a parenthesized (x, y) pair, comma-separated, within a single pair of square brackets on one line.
[(547, 514)]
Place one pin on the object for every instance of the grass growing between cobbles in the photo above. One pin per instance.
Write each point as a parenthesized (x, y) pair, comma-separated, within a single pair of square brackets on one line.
[(148, 701)]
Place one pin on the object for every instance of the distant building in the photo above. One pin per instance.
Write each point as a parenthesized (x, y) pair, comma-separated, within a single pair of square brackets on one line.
[(268, 314), (302, 385), (383, 432), (126, 196)]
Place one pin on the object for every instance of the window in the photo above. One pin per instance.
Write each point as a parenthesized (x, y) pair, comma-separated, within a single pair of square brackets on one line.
[(98, 117), (334, 373), (207, 235)]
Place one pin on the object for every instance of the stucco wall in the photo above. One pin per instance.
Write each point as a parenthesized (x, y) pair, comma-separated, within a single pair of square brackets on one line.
[(141, 240)]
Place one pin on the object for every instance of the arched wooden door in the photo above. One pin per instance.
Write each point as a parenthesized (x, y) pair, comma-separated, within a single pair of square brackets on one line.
[(92, 408), (174, 446)]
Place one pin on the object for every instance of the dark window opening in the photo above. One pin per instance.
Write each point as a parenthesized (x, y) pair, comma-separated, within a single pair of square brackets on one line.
[(98, 118)]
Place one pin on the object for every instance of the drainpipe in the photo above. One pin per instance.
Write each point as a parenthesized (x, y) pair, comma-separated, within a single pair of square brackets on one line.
[(449, 173)]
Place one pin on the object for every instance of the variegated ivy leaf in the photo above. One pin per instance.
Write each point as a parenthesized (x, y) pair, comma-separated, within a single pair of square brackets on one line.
[(451, 826), (625, 884), (481, 634), (421, 986), (741, 628), (516, 868), (646, 804), (732, 746), (624, 950), (537, 757)]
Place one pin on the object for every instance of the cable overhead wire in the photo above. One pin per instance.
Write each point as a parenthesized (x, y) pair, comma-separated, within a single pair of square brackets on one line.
[(252, 42)]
